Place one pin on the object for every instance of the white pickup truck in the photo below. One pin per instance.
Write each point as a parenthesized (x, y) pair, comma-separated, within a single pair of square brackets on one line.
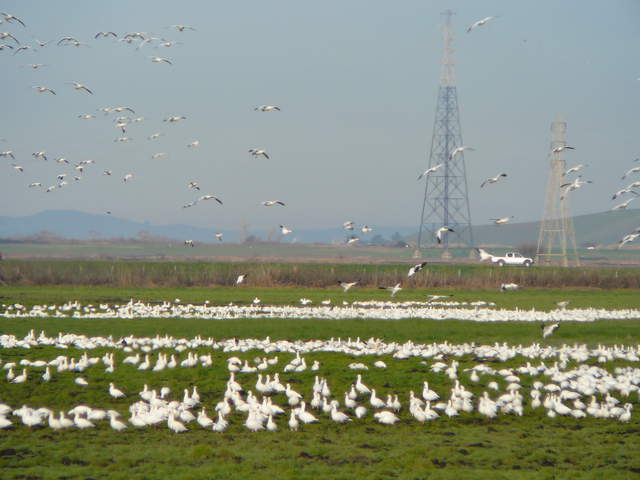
[(511, 258)]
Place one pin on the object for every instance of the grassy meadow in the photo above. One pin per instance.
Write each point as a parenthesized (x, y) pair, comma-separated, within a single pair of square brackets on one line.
[(532, 446), (468, 446)]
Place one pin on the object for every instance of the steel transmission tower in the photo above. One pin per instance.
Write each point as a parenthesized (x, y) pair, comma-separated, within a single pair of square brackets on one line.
[(446, 201), (556, 229)]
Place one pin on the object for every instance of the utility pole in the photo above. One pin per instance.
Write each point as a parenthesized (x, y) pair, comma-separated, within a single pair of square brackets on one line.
[(446, 201), (557, 235)]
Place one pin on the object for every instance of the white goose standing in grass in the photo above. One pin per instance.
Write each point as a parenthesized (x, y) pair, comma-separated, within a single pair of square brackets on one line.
[(114, 423), (20, 378), (115, 392), (386, 417), (547, 330), (360, 387)]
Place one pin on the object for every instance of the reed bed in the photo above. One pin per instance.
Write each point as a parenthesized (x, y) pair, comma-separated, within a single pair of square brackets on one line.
[(204, 274)]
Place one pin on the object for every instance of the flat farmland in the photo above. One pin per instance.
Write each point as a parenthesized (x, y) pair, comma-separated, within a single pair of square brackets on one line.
[(532, 444)]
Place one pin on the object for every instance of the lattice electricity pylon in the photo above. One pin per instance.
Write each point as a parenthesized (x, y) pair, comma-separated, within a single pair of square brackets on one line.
[(446, 201), (556, 229)]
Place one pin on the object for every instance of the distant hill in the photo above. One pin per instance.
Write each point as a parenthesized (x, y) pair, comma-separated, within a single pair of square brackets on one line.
[(82, 226), (598, 228), (603, 228)]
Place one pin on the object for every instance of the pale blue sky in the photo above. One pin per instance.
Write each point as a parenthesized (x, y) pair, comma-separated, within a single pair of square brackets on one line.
[(357, 83)]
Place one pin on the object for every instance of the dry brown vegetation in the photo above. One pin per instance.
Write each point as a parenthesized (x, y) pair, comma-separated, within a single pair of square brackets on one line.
[(185, 274)]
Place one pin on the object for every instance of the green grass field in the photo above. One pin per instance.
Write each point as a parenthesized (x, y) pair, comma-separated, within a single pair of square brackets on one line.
[(539, 298), (470, 446)]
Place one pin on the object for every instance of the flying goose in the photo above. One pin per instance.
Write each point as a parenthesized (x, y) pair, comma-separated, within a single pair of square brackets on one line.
[(630, 171), (458, 150), (43, 89), (285, 230), (441, 231), (4, 35), (161, 60), (562, 148), (209, 197), (622, 192), (174, 118), (395, 289), (570, 187), (182, 28), (105, 34), (80, 86), (267, 108), (7, 17), (492, 179), (271, 203), (478, 23), (430, 170), (501, 220), (346, 285), (623, 205), (258, 152), (577, 168), (416, 268), (484, 255)]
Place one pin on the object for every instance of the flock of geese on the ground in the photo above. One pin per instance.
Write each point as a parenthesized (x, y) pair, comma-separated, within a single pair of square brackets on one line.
[(478, 311), (571, 386)]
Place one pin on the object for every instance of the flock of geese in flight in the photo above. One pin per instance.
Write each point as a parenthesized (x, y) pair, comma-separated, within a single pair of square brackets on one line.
[(123, 120), (125, 117)]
